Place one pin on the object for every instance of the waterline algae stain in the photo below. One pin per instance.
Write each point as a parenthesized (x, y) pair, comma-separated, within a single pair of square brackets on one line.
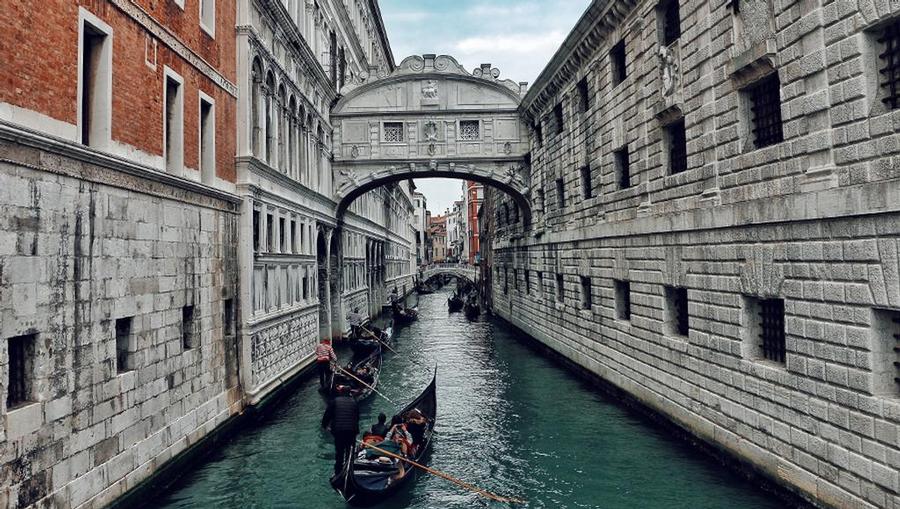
[(509, 422)]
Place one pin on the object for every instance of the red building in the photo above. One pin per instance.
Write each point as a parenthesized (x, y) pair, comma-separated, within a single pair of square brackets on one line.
[(474, 196)]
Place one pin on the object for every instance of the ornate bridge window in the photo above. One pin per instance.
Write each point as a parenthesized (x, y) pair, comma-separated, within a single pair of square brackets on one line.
[(393, 132), (469, 130)]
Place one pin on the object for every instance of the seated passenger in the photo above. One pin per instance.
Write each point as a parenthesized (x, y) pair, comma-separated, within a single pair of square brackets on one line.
[(400, 435), (415, 424), (381, 428)]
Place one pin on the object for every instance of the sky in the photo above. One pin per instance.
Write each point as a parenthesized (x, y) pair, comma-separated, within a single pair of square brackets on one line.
[(516, 36)]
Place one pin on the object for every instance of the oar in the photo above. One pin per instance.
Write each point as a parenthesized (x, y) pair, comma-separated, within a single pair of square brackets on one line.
[(483, 493), (376, 338), (344, 371)]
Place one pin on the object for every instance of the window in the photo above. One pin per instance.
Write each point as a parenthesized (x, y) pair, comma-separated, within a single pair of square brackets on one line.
[(538, 133), (256, 231), (765, 111), (505, 281), (527, 282), (623, 300), (124, 347), (228, 323), (207, 140), (393, 132), (540, 283), (516, 279), (558, 118), (586, 297), (765, 329), (586, 187), (560, 193), (282, 235), (677, 310), (173, 129), (294, 239), (20, 375), (617, 62), (208, 16), (671, 21), (188, 332), (890, 59), (584, 98), (469, 130), (541, 202), (270, 225), (677, 145), (623, 172), (95, 81), (886, 352), (560, 288)]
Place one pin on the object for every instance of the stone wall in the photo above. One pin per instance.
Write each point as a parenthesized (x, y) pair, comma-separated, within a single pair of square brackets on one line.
[(812, 221), (84, 249)]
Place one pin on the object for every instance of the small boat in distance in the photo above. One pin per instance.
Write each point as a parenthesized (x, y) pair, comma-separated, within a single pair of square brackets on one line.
[(472, 309), (370, 477), (455, 303), (361, 376)]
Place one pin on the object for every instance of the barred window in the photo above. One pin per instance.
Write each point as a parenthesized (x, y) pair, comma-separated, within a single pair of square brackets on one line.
[(765, 108), (560, 288), (124, 348), (469, 130), (538, 133), (393, 132), (558, 118), (20, 359), (623, 171), (586, 298), (560, 193), (677, 300), (890, 58), (623, 300), (586, 184), (677, 141), (671, 19), (886, 351), (584, 98), (617, 62), (765, 328)]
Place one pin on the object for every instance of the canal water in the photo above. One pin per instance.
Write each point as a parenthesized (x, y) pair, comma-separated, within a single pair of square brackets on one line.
[(509, 421)]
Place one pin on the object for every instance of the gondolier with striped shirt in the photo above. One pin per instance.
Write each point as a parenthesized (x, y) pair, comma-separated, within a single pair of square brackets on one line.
[(325, 356)]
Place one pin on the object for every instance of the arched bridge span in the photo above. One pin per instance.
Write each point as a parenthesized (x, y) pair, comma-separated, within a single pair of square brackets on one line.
[(466, 272), (431, 118)]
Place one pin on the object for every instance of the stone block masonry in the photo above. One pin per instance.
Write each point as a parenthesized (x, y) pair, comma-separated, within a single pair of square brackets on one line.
[(118, 285)]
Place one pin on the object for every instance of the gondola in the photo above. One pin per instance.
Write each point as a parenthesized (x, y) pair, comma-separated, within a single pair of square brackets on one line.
[(404, 316), (472, 310), (455, 303), (424, 289), (365, 481), (359, 391), (365, 344)]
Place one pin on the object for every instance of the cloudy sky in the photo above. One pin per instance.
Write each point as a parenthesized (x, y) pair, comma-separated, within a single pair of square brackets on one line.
[(516, 36)]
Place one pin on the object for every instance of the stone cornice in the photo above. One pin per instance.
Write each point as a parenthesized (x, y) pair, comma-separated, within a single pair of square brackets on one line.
[(600, 18), (77, 152), (513, 112), (382, 35), (143, 18)]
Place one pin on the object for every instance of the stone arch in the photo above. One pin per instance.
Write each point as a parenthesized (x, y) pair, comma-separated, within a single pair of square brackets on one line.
[(269, 127), (281, 119), (256, 92), (293, 127)]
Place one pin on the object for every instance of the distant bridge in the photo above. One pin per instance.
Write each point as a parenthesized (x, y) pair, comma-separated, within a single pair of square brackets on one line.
[(467, 272)]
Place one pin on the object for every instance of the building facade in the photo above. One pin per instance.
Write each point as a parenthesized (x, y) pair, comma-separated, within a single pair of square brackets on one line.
[(420, 225), (173, 249), (715, 225), (474, 194), (437, 235), (455, 232)]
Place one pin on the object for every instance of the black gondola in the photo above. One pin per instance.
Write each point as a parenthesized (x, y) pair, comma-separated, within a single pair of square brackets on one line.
[(455, 303), (359, 391), (366, 481), (404, 316), (366, 344)]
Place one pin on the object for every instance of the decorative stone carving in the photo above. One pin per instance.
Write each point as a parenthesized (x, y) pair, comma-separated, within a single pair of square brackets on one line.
[(432, 149), (507, 148), (429, 89), (431, 131), (668, 61), (349, 181), (354, 151)]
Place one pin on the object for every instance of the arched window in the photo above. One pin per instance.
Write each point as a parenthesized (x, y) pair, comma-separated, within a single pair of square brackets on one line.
[(255, 97), (281, 112), (292, 137), (269, 127)]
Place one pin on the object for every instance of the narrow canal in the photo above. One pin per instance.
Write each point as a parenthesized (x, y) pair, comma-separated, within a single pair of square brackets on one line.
[(509, 421)]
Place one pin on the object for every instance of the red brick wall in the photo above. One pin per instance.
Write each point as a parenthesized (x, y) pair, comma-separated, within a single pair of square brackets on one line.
[(39, 49)]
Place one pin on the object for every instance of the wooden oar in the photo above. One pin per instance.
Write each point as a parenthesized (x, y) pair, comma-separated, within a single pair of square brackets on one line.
[(483, 493), (351, 375), (376, 338)]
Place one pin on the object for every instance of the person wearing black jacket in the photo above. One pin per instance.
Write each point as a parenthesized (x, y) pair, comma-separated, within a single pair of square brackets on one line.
[(342, 416)]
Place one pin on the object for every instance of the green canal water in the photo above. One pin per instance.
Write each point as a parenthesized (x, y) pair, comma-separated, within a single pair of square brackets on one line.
[(509, 421)]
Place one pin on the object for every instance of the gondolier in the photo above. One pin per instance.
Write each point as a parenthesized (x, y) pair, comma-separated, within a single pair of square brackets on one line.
[(325, 356), (342, 416)]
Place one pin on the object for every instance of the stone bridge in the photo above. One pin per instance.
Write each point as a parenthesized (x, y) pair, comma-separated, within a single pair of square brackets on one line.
[(467, 272), (431, 118)]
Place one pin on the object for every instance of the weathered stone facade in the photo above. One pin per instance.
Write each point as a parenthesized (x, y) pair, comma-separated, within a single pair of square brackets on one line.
[(656, 278)]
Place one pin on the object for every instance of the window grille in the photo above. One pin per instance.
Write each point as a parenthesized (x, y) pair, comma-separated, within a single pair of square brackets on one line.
[(558, 118), (678, 302), (584, 98), (538, 133), (677, 147), (123, 347), (623, 300), (505, 281), (671, 22), (623, 171), (469, 130), (586, 186), (20, 352), (560, 289), (771, 313), (765, 100), (586, 297), (393, 132), (617, 60), (187, 327), (890, 71), (561, 192)]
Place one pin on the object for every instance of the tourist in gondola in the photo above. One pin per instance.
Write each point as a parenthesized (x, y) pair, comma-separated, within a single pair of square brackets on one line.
[(325, 357), (400, 435), (342, 417), (380, 428)]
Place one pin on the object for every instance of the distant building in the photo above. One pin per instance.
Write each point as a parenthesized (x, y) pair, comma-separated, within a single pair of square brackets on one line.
[(455, 231), (473, 195), (420, 226), (437, 233)]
